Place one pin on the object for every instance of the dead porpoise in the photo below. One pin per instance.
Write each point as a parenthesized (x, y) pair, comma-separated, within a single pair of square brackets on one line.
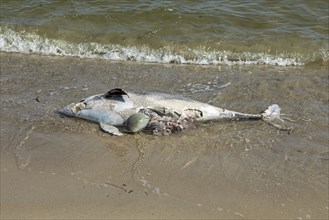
[(160, 112)]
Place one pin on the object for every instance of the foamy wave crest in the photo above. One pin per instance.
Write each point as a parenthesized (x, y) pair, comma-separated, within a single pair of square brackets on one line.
[(23, 42)]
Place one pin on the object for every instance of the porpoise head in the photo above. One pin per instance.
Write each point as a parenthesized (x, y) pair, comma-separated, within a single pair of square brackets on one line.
[(97, 109)]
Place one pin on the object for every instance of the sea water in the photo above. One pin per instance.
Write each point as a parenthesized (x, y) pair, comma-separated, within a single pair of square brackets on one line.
[(185, 32)]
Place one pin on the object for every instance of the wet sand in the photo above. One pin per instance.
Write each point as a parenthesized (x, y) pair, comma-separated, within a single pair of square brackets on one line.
[(58, 167)]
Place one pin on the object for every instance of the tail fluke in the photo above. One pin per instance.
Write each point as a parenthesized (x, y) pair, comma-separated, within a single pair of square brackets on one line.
[(273, 111), (272, 116)]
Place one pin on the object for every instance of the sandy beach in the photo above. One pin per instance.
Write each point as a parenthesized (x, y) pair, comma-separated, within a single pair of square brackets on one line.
[(55, 167)]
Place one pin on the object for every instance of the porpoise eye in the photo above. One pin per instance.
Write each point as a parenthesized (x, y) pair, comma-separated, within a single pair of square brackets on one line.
[(82, 100)]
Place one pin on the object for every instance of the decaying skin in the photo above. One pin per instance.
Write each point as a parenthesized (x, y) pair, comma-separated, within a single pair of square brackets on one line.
[(166, 123)]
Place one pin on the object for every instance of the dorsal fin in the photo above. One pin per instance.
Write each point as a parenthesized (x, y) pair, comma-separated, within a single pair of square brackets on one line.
[(115, 92)]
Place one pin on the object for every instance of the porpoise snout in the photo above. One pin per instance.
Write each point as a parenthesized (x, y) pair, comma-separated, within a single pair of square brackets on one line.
[(67, 110)]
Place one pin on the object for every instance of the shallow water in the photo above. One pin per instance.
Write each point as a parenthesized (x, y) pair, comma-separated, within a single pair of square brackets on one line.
[(59, 167), (198, 32)]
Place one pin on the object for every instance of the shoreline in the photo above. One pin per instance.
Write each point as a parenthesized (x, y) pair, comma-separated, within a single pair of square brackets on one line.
[(59, 167)]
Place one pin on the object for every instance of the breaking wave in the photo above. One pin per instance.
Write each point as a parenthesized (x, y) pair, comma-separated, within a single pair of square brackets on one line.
[(24, 42)]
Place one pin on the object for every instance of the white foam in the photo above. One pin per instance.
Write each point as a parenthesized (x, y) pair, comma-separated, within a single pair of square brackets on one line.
[(23, 42)]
